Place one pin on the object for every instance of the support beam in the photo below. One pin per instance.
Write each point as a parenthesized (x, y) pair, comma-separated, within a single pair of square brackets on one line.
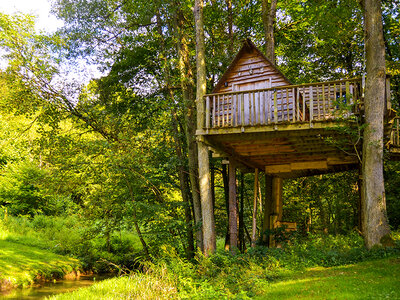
[(254, 223), (267, 207), (233, 227), (277, 204)]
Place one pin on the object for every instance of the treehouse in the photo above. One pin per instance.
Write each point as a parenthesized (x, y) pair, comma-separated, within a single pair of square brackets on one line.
[(257, 119)]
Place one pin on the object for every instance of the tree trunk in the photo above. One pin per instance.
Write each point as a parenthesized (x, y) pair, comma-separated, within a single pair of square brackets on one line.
[(135, 223), (374, 215), (209, 239), (268, 18), (225, 181), (233, 226), (230, 26), (183, 182), (185, 192), (187, 85)]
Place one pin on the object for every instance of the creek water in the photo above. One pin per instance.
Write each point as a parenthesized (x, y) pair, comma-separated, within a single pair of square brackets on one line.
[(52, 288)]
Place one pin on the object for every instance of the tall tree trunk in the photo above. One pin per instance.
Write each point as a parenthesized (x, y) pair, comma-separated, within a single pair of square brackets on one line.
[(225, 181), (183, 182), (230, 26), (209, 239), (185, 192), (233, 220), (135, 223), (374, 215), (187, 85), (268, 18)]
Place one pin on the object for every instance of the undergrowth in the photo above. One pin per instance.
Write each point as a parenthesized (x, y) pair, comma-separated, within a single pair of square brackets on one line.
[(69, 235)]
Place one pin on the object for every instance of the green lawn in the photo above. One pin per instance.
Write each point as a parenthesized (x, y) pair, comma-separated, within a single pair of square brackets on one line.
[(21, 265), (378, 279)]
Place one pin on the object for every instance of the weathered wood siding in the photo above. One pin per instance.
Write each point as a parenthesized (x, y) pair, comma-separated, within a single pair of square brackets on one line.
[(252, 71)]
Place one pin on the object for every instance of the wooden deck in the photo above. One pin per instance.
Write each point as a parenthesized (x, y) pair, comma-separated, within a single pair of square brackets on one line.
[(292, 130)]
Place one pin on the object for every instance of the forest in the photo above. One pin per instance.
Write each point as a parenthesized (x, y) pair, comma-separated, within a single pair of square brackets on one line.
[(99, 157)]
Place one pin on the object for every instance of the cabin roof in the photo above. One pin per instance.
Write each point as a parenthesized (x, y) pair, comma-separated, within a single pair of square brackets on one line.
[(247, 46)]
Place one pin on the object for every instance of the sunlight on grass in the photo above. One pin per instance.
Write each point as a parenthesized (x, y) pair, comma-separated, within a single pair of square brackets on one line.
[(21, 265), (369, 280)]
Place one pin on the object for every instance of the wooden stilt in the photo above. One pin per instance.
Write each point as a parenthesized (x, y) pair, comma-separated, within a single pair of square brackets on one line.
[(277, 203), (233, 227), (254, 227), (267, 207)]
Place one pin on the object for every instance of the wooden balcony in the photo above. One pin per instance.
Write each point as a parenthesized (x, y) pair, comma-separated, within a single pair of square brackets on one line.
[(252, 110), (290, 130)]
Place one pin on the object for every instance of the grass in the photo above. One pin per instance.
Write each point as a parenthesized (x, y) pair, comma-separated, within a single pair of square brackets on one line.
[(22, 265), (378, 279)]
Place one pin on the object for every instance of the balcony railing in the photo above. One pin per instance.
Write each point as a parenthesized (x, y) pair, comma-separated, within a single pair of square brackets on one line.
[(395, 133), (285, 104)]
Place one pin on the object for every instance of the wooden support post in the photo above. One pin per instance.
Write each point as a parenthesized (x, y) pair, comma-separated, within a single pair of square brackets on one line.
[(233, 215), (277, 185), (267, 208), (276, 214), (254, 227)]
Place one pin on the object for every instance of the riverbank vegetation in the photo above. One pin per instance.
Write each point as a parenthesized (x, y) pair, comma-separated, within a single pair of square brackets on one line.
[(23, 266), (289, 273)]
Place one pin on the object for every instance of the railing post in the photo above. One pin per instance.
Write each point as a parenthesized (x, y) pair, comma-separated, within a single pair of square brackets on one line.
[(242, 109), (318, 108), (275, 107), (304, 103), (218, 112), (323, 101), (214, 114), (287, 104), (311, 104), (207, 112)]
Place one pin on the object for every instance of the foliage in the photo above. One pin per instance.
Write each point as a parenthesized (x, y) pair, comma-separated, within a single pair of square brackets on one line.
[(259, 273), (70, 235)]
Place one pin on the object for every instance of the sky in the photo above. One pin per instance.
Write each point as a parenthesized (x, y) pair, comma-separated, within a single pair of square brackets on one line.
[(38, 8)]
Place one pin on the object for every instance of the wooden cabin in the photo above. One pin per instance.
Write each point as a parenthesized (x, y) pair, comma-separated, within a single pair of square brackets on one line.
[(257, 119)]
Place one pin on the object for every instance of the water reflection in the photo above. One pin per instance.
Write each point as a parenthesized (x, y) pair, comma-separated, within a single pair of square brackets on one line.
[(52, 288)]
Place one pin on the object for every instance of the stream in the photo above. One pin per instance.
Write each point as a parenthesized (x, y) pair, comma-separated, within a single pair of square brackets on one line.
[(52, 288)]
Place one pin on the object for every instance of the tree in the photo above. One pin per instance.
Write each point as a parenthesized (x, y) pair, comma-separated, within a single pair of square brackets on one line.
[(375, 224), (209, 238), (268, 18)]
